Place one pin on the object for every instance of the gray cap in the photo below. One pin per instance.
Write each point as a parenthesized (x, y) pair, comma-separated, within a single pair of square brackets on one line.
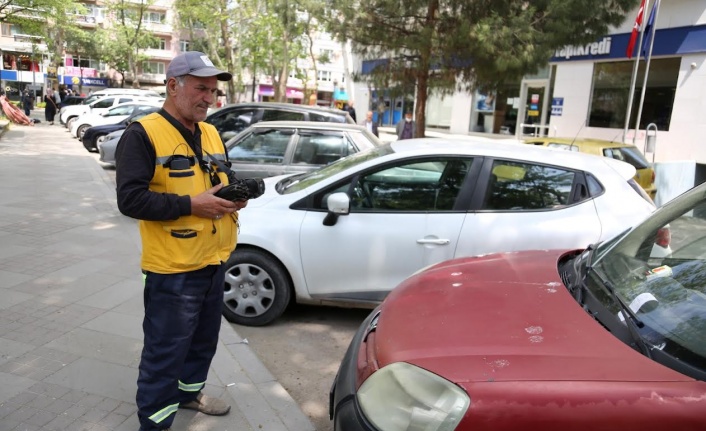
[(195, 63)]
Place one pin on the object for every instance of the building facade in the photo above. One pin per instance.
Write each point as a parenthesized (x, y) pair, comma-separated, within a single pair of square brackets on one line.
[(584, 92)]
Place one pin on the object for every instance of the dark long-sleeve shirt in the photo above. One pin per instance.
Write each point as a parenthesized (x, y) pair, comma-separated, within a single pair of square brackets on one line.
[(135, 160)]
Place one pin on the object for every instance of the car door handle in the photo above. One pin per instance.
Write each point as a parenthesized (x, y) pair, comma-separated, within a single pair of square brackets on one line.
[(434, 241)]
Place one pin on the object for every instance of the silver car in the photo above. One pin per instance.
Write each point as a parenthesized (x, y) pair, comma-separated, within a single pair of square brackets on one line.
[(273, 148)]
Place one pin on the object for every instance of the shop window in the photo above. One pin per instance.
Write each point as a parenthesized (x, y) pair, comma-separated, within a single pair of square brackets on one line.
[(611, 91)]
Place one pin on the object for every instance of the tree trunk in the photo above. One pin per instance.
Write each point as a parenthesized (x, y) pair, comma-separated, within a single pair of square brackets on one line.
[(133, 69), (281, 89)]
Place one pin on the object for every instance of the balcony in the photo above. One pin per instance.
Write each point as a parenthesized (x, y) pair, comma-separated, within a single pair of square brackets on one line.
[(147, 78)]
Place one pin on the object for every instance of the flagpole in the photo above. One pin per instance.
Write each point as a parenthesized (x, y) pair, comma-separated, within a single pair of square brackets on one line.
[(647, 71), (633, 78)]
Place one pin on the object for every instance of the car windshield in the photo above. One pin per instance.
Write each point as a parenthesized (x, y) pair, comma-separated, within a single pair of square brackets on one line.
[(300, 182), (658, 270)]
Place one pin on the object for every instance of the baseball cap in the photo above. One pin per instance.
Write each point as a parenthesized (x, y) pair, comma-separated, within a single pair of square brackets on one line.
[(195, 63)]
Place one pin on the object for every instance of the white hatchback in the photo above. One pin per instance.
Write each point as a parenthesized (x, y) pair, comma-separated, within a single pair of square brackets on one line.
[(349, 232), (69, 114), (113, 115)]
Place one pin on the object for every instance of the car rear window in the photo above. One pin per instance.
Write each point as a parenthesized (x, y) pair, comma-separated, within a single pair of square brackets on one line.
[(277, 115), (629, 155), (517, 186), (327, 118)]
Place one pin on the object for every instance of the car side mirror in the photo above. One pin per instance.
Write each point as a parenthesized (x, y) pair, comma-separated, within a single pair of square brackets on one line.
[(338, 204)]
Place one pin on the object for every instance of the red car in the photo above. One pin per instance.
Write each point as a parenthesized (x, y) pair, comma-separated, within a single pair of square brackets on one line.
[(612, 338)]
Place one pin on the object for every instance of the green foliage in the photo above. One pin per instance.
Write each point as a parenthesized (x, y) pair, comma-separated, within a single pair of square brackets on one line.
[(479, 43)]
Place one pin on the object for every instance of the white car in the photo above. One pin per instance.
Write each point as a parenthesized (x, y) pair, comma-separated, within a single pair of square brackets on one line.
[(111, 116), (349, 232), (70, 113)]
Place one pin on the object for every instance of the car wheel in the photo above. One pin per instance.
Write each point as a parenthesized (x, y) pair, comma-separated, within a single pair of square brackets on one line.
[(257, 288), (97, 141), (81, 130), (70, 122)]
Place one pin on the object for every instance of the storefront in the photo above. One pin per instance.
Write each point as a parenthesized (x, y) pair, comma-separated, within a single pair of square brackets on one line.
[(20, 72), (266, 93), (592, 88)]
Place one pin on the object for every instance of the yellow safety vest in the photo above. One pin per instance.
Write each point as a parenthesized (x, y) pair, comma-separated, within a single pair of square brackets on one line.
[(190, 242)]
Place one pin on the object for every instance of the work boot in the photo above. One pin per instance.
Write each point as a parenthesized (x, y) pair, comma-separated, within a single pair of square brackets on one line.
[(207, 405)]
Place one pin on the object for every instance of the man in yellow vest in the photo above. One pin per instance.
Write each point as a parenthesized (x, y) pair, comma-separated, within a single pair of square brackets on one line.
[(166, 179)]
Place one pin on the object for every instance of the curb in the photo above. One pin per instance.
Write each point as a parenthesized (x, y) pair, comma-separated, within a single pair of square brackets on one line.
[(4, 127)]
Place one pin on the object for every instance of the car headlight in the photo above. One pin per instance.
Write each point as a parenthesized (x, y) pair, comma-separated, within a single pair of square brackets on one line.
[(402, 397)]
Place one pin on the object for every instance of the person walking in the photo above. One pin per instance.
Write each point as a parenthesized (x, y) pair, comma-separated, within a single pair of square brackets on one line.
[(27, 102), (50, 107), (370, 124), (382, 107), (406, 127), (165, 180)]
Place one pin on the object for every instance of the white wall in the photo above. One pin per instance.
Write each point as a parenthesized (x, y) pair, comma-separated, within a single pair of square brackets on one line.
[(573, 83)]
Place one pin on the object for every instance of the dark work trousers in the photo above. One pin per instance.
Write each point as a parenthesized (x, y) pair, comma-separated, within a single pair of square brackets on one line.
[(181, 325)]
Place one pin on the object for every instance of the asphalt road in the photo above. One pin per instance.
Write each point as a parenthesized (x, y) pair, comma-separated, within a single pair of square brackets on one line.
[(303, 350)]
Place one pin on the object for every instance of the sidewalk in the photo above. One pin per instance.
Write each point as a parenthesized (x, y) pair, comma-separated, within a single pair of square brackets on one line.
[(71, 308)]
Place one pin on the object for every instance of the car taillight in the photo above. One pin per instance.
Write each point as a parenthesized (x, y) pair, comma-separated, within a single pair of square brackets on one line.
[(664, 237)]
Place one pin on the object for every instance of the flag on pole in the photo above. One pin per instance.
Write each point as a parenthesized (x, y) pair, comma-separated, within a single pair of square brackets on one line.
[(635, 30), (649, 28)]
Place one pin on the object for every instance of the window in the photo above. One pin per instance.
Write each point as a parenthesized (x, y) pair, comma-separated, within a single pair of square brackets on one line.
[(103, 103), (611, 88), (158, 43), (153, 17), (184, 45), (8, 29), (232, 122), (628, 155), (519, 186), (265, 148), (417, 186), (153, 67), (120, 110), (314, 148), (275, 115), (324, 75), (326, 56)]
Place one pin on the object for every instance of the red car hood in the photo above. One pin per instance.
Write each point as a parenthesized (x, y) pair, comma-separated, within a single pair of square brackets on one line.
[(503, 317)]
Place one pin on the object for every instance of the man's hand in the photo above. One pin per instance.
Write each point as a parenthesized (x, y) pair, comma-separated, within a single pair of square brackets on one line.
[(207, 205)]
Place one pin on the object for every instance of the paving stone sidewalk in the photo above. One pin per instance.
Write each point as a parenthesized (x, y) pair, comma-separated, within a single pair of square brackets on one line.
[(71, 307)]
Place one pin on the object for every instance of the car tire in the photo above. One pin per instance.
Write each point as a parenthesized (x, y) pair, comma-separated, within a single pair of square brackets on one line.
[(70, 122), (81, 130), (97, 141), (257, 288)]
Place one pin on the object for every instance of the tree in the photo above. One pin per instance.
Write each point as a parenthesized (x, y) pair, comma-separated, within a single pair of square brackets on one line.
[(441, 45), (81, 43), (128, 36)]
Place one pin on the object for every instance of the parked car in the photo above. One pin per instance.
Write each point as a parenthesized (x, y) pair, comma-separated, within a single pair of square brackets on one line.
[(111, 116), (645, 175), (106, 148), (347, 233), (93, 136), (70, 113), (273, 148), (108, 92), (72, 100), (233, 119), (606, 338)]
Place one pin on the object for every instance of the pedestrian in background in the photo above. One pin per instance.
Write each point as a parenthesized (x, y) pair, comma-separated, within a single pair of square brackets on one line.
[(50, 108), (406, 127), (27, 102), (370, 124), (351, 111), (381, 110), (165, 180)]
